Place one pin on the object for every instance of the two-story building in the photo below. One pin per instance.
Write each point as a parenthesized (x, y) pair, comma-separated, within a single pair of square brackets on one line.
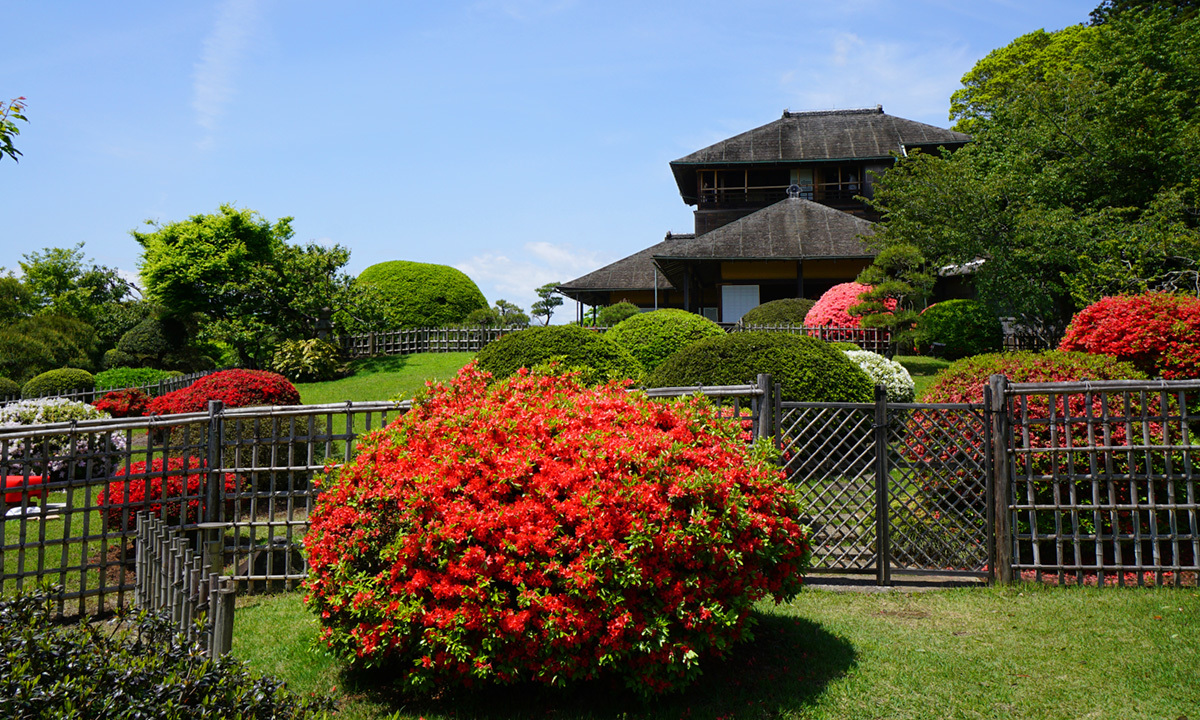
[(778, 213)]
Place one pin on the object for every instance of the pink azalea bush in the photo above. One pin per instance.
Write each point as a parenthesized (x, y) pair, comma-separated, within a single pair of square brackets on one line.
[(832, 308)]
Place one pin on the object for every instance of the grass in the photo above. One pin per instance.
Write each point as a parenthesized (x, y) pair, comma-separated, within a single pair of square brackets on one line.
[(1024, 651), (385, 378), (923, 370)]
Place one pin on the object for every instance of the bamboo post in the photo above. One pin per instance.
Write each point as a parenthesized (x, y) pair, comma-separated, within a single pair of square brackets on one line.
[(224, 592), (883, 551), (1001, 490), (214, 541), (762, 420)]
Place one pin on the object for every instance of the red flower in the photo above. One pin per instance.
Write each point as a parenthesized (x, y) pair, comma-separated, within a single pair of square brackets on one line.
[(172, 494), (235, 388)]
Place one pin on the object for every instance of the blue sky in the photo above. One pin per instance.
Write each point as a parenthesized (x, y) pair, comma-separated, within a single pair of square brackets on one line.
[(522, 141)]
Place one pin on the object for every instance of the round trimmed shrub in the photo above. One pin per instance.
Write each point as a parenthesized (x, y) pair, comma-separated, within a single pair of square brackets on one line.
[(1157, 332), (126, 377), (571, 345), (610, 315), (8, 388), (114, 358), (832, 309), (235, 388), (655, 336), (788, 311), (174, 492), (963, 381), (423, 294), (152, 340), (807, 369), (962, 327), (58, 382), (311, 360), (890, 374), (536, 529)]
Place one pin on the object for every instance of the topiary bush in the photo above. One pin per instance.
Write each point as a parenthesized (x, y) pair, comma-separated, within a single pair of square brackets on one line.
[(961, 328), (422, 294), (610, 315), (120, 378), (235, 388), (1157, 332), (890, 374), (654, 336), (788, 311), (807, 369), (114, 358), (535, 529), (832, 308), (58, 382), (570, 345), (310, 360), (173, 491), (138, 669), (9, 389)]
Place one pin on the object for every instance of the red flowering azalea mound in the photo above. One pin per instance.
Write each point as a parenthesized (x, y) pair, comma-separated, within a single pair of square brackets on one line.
[(537, 529), (235, 388), (1157, 332), (123, 403), (174, 494), (832, 308)]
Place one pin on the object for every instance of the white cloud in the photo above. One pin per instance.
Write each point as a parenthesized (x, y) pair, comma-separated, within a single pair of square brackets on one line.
[(214, 80), (516, 280)]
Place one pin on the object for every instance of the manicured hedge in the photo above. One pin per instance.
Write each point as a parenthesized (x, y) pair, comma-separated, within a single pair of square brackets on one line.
[(655, 336), (610, 315), (8, 388), (960, 327), (124, 377), (571, 345), (422, 294), (538, 530), (808, 369), (788, 311), (58, 382)]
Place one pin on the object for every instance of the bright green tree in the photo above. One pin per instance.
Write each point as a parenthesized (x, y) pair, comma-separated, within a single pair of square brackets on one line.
[(10, 113)]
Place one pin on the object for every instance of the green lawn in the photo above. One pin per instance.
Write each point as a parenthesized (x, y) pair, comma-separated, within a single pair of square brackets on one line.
[(923, 370), (385, 378), (1021, 652)]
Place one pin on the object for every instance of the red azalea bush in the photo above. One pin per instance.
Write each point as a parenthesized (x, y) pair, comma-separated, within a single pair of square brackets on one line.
[(143, 490), (832, 308), (538, 529), (1157, 332), (236, 388), (123, 403)]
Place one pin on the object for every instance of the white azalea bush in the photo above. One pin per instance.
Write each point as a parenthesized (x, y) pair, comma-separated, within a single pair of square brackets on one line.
[(51, 454), (888, 373)]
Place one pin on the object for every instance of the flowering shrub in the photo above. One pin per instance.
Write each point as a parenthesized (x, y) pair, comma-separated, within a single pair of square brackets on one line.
[(1157, 332), (888, 373), (236, 388), (831, 308), (172, 494), (124, 403), (537, 529), (53, 454)]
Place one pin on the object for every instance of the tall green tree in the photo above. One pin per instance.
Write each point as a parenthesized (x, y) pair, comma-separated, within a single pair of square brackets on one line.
[(64, 282), (10, 113)]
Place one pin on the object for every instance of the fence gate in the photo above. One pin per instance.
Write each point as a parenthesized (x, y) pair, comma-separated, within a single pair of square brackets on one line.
[(902, 488)]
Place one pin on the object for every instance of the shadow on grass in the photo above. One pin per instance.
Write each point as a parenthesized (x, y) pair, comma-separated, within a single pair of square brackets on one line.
[(784, 669), (378, 364)]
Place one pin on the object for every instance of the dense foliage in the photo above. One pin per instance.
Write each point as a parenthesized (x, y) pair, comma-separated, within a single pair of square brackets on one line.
[(1081, 180), (235, 388), (609, 315), (832, 309), (174, 491), (311, 360), (788, 311), (654, 336), (419, 295), (9, 388), (964, 380), (58, 382), (959, 328), (900, 285), (535, 529), (807, 369), (1157, 332), (890, 374), (571, 345), (159, 342), (126, 377), (130, 402), (133, 670)]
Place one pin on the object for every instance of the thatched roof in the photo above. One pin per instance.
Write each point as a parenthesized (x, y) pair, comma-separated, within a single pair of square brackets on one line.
[(636, 272), (791, 229), (816, 137)]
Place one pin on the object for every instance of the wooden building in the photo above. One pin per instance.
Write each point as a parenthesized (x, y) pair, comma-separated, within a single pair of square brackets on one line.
[(778, 214)]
